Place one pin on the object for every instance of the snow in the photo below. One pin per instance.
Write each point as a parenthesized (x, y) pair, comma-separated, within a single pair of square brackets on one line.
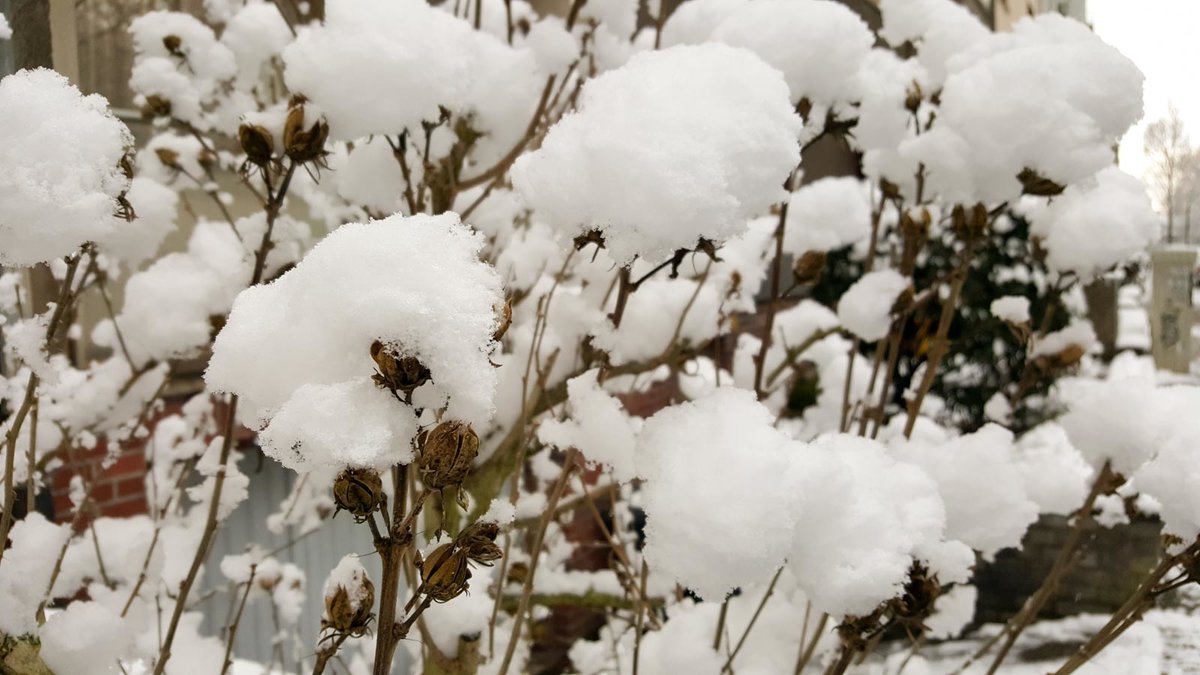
[(350, 576), (25, 574), (139, 240), (953, 611), (712, 467), (82, 636), (693, 22), (1077, 333), (1172, 476), (5, 29), (943, 29), (818, 45), (309, 430), (59, 173), (980, 484), (413, 283), (827, 214), (179, 60), (397, 61), (866, 308), (661, 310), (1056, 476), (1117, 421), (553, 47), (598, 426), (635, 127), (1095, 224), (1011, 308), (717, 463), (850, 560), (1015, 101), (255, 34)]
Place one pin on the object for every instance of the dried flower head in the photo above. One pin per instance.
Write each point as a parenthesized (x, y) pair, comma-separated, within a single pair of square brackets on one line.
[(479, 541), (257, 143), (396, 373), (444, 574), (359, 491), (808, 267), (348, 610), (304, 144), (447, 455)]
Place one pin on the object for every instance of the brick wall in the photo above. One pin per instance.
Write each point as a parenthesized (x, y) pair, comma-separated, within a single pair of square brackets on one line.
[(120, 482)]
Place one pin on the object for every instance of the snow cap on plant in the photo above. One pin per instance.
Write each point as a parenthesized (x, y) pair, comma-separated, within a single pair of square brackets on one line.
[(415, 286), (676, 145), (60, 167)]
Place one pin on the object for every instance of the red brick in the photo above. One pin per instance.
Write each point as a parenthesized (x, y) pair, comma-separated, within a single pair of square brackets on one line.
[(124, 508), (130, 486)]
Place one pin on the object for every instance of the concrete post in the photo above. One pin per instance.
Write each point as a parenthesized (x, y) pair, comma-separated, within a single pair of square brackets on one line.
[(1171, 306)]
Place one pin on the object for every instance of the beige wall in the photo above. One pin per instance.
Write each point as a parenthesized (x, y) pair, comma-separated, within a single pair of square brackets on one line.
[(1008, 12)]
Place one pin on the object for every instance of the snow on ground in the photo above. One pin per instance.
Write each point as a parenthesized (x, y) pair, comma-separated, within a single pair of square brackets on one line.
[(1166, 642)]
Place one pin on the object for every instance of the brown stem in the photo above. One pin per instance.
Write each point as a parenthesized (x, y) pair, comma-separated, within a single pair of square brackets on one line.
[(806, 653), (1126, 616), (65, 299), (211, 523), (392, 551), (760, 360), (728, 667), (539, 538), (237, 618), (324, 656), (940, 345), (1062, 564)]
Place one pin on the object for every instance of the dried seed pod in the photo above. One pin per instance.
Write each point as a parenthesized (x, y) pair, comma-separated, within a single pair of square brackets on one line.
[(448, 454), (257, 143), (348, 610), (174, 45), (444, 574), (168, 157), (479, 541), (1033, 183), (156, 106), (359, 491), (808, 267), (397, 373), (913, 96), (300, 144), (904, 301), (504, 319), (206, 158), (1069, 356)]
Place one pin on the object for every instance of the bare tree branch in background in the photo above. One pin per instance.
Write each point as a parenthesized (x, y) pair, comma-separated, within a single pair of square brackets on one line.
[(1167, 148)]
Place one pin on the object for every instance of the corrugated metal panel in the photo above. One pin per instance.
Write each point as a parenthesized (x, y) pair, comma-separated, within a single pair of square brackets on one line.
[(316, 554)]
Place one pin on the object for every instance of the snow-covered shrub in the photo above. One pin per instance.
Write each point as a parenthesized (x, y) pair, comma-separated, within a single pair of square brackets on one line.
[(458, 247)]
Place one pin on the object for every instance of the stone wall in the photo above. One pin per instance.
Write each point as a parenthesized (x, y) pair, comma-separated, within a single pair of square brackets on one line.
[(1110, 568)]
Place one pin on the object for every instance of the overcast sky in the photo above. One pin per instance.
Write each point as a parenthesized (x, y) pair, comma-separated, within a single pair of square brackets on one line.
[(1163, 38)]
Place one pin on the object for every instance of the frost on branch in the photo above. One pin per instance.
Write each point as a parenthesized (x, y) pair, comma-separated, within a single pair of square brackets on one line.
[(638, 126), (60, 173), (298, 350)]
